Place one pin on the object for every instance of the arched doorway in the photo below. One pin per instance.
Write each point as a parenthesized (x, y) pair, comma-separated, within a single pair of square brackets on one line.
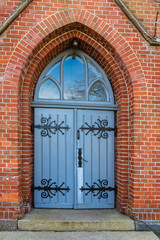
[(74, 135)]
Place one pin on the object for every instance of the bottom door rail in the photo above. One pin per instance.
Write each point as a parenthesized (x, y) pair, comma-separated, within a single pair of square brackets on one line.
[(50, 189), (99, 187)]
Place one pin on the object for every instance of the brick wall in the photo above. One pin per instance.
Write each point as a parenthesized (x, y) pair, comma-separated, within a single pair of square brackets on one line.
[(7, 8), (47, 28), (145, 11)]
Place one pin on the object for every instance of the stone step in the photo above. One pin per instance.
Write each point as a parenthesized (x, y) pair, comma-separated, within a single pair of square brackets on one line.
[(127, 235), (63, 220)]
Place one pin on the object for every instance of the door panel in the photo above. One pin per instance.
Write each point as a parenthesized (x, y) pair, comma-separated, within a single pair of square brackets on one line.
[(98, 150), (54, 158)]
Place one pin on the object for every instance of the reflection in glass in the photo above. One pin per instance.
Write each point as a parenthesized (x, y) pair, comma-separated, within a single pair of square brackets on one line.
[(74, 79), (97, 93), (49, 90), (93, 73), (54, 72)]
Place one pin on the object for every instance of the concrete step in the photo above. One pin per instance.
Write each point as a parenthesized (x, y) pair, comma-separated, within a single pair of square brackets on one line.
[(78, 235), (64, 220)]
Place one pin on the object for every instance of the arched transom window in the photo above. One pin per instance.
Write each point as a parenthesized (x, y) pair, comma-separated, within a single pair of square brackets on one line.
[(74, 76)]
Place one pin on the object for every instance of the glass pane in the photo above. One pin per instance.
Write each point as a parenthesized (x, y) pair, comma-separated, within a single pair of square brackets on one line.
[(93, 73), (54, 72), (74, 79), (49, 90), (97, 93)]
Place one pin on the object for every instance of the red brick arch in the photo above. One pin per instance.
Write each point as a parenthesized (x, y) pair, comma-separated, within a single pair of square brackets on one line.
[(42, 32), (103, 43)]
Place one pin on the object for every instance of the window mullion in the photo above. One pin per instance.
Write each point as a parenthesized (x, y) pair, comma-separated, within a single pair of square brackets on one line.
[(62, 77), (86, 79)]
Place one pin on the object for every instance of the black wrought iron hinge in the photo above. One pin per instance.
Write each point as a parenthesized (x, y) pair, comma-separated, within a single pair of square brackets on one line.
[(99, 128), (98, 189), (115, 130), (50, 127), (50, 189), (32, 127)]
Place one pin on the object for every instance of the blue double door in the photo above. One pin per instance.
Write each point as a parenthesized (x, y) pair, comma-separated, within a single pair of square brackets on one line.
[(74, 158)]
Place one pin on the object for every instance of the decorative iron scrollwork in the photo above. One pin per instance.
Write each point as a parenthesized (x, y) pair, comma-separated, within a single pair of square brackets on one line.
[(100, 188), (49, 187), (50, 128), (98, 128)]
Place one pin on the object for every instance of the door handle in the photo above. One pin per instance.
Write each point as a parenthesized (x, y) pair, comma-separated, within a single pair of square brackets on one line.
[(84, 160), (78, 134), (80, 157)]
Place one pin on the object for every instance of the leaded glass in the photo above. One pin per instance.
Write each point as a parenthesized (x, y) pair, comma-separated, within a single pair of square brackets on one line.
[(74, 78), (54, 72), (49, 90), (93, 73), (97, 92)]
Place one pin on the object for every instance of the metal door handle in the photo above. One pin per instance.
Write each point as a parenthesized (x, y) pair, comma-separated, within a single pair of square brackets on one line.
[(84, 160), (79, 157), (78, 134)]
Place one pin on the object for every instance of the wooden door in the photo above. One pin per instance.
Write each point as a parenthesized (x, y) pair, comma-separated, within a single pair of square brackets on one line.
[(96, 145), (54, 158), (74, 158)]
